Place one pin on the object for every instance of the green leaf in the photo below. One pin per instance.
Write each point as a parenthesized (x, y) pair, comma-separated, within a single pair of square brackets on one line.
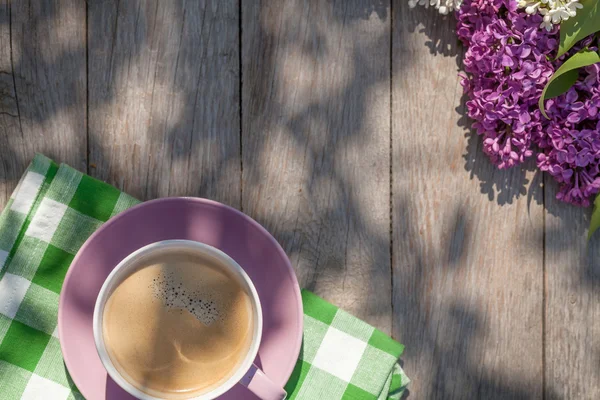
[(586, 22), (562, 83), (595, 221), (566, 75)]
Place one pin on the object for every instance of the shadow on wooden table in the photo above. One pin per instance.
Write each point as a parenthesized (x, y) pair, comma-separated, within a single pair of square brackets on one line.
[(316, 139), (42, 86), (439, 30), (501, 187), (567, 232), (448, 358)]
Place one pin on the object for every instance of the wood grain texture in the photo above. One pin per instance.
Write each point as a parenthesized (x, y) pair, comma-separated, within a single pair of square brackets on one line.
[(164, 97), (11, 147), (42, 86), (488, 303), (467, 238), (316, 128), (572, 302)]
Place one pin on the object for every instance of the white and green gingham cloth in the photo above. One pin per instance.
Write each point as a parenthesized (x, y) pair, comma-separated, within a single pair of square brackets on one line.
[(50, 215), (343, 357)]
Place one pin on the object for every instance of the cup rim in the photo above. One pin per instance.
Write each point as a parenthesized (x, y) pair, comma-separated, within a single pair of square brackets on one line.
[(205, 249)]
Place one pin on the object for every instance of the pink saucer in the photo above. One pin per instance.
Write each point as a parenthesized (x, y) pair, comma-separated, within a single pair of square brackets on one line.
[(201, 220)]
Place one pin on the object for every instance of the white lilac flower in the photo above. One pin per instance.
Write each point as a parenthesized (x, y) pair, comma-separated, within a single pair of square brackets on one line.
[(443, 6), (553, 11), (547, 23)]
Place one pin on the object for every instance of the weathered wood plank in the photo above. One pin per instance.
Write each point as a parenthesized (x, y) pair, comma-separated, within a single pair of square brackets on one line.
[(11, 162), (315, 138), (467, 240), (164, 97), (572, 302), (42, 86)]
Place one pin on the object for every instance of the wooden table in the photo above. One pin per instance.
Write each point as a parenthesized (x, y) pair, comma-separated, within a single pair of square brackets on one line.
[(339, 125)]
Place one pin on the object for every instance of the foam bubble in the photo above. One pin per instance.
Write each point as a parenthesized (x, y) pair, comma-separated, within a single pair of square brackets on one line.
[(173, 295)]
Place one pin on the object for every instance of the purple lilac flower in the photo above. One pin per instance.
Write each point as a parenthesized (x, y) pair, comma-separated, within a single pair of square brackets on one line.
[(507, 65), (571, 148)]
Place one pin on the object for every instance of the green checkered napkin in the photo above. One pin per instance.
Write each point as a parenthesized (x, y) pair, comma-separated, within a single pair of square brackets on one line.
[(343, 357), (53, 211)]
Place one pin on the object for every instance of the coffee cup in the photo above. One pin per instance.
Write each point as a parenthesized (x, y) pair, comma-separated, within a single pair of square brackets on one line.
[(243, 371)]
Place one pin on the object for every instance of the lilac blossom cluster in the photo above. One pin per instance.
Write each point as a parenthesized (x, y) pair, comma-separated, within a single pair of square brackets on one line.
[(508, 62), (507, 65), (570, 150)]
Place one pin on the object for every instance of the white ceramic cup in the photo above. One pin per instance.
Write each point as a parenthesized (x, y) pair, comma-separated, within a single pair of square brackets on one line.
[(247, 373)]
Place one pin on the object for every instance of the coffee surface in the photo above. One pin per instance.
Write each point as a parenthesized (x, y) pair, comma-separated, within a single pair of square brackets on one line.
[(179, 326)]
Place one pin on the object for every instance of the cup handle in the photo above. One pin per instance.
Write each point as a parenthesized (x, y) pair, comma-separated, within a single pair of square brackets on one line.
[(260, 384)]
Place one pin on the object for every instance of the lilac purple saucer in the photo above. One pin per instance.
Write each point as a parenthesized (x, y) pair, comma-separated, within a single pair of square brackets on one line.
[(201, 220)]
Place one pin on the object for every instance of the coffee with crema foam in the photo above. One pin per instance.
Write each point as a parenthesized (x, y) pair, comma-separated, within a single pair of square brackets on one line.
[(179, 326)]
